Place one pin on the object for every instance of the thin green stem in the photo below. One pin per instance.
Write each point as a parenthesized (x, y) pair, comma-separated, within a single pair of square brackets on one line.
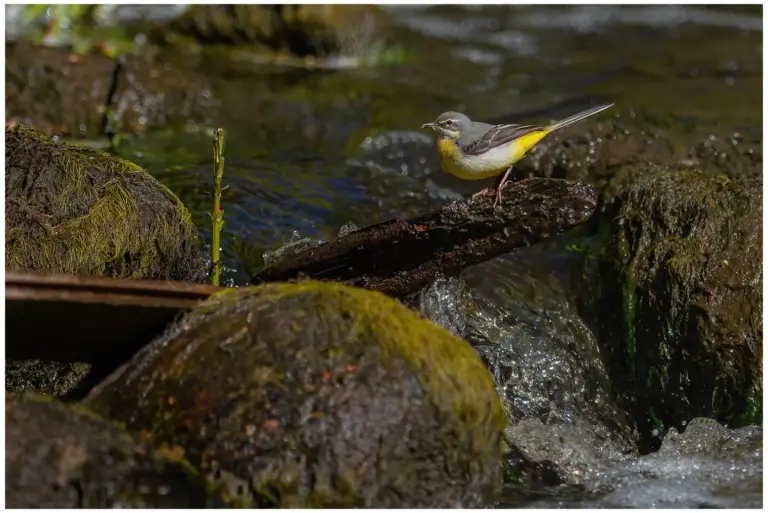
[(218, 214)]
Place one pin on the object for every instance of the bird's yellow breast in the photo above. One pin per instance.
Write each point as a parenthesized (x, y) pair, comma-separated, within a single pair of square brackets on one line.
[(490, 163)]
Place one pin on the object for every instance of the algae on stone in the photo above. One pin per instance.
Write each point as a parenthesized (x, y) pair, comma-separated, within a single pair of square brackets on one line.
[(678, 306), (44, 377), (74, 210), (57, 456), (316, 395)]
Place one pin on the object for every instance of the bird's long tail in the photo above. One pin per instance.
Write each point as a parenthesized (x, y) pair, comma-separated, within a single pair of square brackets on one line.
[(576, 117)]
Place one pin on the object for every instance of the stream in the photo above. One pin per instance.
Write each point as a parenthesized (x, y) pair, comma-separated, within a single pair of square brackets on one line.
[(310, 151)]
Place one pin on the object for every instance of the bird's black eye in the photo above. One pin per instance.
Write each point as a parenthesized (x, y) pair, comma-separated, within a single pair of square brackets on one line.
[(448, 123)]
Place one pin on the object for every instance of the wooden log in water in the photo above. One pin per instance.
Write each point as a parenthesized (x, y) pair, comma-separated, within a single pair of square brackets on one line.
[(402, 256)]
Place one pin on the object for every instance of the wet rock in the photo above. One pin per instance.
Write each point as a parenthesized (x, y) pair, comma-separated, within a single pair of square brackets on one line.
[(545, 362), (317, 394), (595, 150), (74, 210), (62, 457), (302, 30), (740, 156), (44, 88), (678, 288), (44, 377), (89, 95), (294, 245)]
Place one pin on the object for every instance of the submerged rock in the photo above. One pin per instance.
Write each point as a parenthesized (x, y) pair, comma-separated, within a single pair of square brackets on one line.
[(62, 457), (74, 210), (317, 394), (678, 288)]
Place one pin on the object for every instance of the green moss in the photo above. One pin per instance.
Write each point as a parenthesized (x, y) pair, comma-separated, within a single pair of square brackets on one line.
[(312, 381), (441, 361), (687, 340), (91, 213), (628, 297), (753, 412), (43, 377)]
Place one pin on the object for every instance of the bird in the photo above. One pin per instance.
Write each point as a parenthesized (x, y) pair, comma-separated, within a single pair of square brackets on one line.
[(471, 150)]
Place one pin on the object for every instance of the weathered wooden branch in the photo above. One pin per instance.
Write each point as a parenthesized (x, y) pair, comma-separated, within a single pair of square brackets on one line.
[(402, 256)]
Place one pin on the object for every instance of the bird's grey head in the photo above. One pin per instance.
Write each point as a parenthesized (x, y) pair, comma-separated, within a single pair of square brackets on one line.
[(449, 124)]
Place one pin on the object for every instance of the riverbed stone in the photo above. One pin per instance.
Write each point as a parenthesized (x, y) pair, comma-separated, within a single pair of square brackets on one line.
[(317, 394), (678, 296), (59, 456), (90, 95), (301, 30)]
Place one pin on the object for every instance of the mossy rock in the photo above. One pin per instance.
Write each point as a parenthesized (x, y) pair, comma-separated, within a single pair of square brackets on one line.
[(75, 210), (57, 456), (317, 395), (44, 377), (301, 30), (678, 300)]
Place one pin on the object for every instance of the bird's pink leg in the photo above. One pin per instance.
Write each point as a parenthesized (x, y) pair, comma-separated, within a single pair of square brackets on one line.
[(497, 201), (482, 193)]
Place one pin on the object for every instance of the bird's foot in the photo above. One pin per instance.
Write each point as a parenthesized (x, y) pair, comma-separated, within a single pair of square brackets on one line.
[(484, 192), (497, 201)]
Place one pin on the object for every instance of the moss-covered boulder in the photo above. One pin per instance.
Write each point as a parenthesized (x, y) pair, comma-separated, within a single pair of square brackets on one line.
[(678, 299), (62, 457), (301, 30), (75, 210), (316, 395)]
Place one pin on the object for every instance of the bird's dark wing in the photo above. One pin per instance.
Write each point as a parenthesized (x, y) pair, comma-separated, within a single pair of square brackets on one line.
[(497, 136)]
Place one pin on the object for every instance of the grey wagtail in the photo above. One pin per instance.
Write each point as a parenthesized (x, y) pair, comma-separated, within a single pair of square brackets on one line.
[(473, 151)]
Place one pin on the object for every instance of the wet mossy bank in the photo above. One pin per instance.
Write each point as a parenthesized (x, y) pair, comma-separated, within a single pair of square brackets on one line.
[(74, 210), (58, 456), (678, 296), (317, 395)]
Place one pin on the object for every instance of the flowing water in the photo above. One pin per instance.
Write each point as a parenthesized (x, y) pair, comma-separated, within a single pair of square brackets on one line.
[(310, 151)]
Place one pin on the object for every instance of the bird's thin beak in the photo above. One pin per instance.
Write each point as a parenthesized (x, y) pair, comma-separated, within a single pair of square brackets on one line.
[(428, 125)]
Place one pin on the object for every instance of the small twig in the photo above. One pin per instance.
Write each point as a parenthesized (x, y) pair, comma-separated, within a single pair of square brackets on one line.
[(217, 218)]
